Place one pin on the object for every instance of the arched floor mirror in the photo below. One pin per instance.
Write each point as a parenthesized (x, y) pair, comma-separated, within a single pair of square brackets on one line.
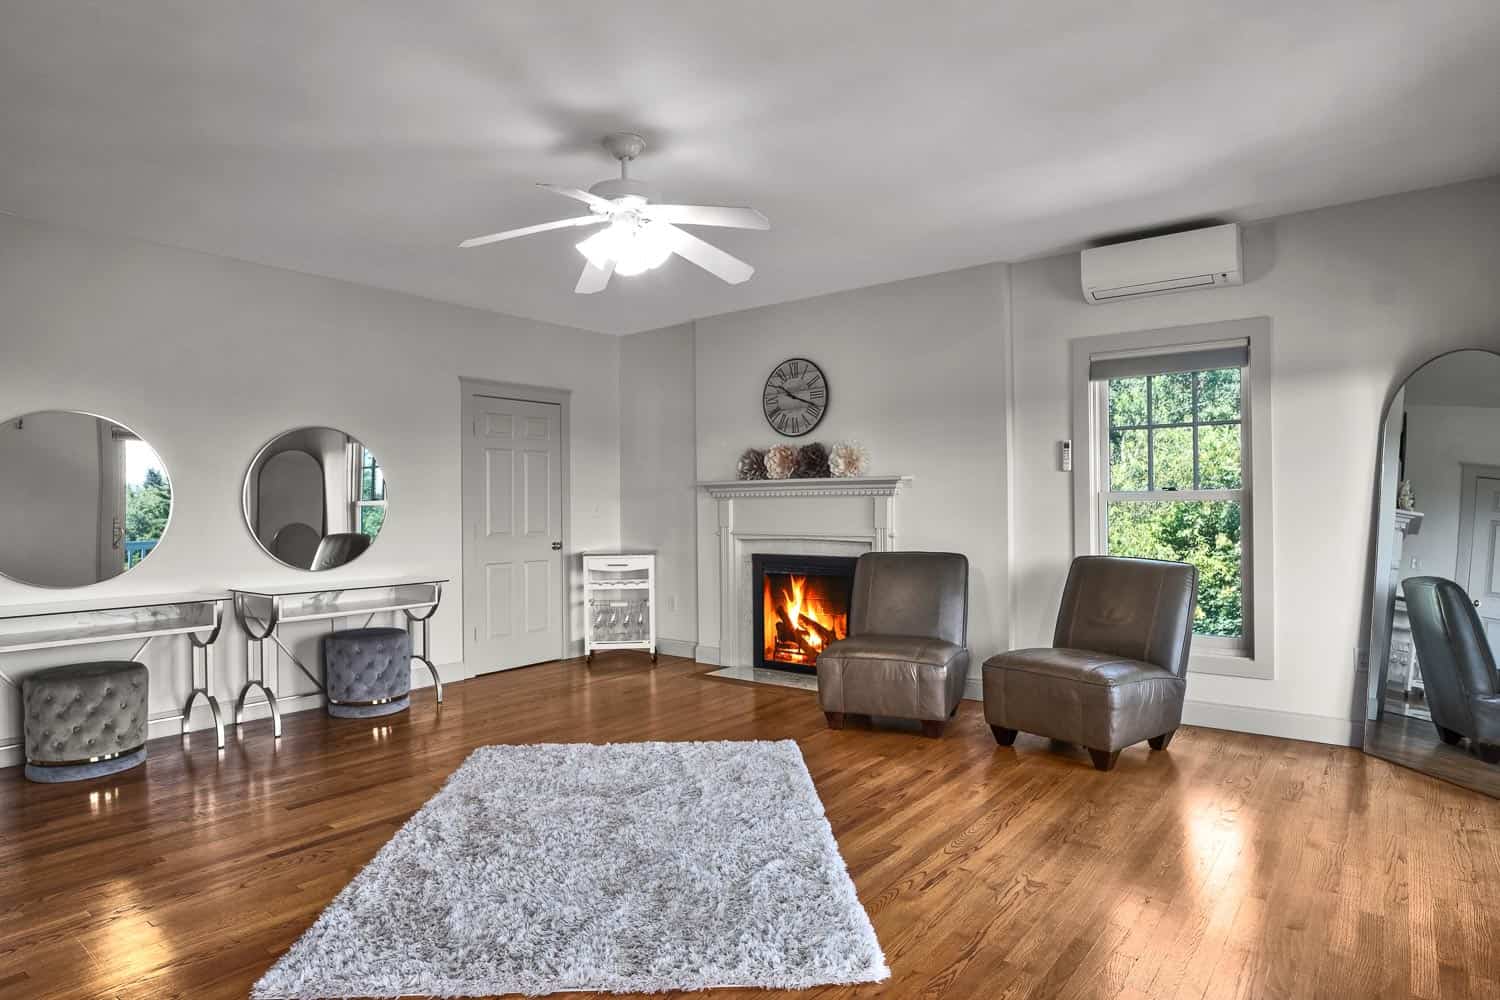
[(1433, 702)]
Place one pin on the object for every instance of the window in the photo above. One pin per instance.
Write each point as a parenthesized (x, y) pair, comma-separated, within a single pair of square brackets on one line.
[(369, 491), (1175, 483), (1173, 435)]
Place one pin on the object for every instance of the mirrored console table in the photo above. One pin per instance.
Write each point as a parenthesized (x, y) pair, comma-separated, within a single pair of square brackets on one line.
[(262, 612), (56, 624)]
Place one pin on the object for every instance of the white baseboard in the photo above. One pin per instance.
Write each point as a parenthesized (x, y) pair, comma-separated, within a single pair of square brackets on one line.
[(707, 654), (1268, 722), (677, 647)]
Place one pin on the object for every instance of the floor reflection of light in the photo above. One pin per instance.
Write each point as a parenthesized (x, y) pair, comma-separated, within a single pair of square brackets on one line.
[(1216, 844), (127, 944), (102, 800), (380, 734)]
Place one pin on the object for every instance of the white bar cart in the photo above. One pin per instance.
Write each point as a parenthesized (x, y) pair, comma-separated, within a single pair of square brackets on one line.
[(620, 602)]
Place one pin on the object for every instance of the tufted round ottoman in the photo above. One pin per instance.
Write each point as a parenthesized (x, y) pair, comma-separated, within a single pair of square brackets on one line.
[(367, 672), (84, 720)]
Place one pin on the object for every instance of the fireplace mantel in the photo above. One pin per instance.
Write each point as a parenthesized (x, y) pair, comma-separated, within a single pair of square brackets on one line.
[(864, 486), (814, 517)]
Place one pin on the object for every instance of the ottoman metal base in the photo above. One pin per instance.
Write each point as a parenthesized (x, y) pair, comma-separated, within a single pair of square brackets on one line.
[(52, 774), (347, 711)]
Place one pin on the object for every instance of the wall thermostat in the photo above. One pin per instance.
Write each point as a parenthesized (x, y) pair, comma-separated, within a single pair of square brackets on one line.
[(1067, 456)]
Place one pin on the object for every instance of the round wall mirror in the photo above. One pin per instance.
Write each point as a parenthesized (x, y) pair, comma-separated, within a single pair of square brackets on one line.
[(82, 499), (1433, 701), (315, 498)]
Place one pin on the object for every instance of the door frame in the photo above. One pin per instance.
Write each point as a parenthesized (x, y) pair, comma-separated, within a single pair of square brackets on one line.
[(1470, 474), (524, 393)]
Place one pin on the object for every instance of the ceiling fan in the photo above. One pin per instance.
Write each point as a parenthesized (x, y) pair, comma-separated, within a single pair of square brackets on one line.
[(640, 234)]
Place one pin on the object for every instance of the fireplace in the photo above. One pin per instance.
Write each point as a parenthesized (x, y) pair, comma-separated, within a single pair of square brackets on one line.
[(801, 605)]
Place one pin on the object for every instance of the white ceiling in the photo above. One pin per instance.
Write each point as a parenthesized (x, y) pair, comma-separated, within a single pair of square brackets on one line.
[(364, 139)]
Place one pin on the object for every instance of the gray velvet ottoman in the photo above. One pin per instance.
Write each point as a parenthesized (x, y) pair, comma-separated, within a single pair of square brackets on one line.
[(367, 672), (84, 720)]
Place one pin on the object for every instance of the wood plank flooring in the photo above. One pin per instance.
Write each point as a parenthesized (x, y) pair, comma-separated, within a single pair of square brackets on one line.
[(1228, 866)]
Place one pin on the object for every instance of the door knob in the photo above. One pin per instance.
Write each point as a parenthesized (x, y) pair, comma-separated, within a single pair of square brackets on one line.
[(557, 547), (1476, 603)]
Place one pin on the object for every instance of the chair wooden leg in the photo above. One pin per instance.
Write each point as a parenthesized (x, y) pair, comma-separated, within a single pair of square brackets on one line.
[(1004, 737), (835, 720), (933, 729), (1161, 742), (1488, 752), (1104, 760)]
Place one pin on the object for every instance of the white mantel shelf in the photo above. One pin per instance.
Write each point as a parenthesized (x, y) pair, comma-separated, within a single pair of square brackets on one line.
[(864, 486)]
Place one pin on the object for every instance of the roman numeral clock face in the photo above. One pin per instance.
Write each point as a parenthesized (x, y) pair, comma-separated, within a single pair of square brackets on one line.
[(796, 397)]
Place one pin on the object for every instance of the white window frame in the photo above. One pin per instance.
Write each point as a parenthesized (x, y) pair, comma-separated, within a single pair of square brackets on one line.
[(1251, 655)]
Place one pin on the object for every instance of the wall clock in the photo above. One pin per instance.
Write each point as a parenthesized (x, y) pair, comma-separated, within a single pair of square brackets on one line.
[(795, 397)]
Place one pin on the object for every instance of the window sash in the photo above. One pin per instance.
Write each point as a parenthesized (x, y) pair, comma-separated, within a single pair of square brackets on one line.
[(1243, 644)]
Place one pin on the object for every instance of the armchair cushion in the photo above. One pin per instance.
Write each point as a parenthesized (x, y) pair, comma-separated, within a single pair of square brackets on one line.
[(1098, 700), (896, 676)]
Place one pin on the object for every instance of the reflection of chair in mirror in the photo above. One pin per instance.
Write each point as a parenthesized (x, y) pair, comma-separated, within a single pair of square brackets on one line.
[(337, 549), (1458, 668), (296, 544)]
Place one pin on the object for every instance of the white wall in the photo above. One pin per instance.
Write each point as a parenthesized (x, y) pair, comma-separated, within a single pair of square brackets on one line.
[(658, 501), (208, 358), (917, 372), (1358, 296), (1439, 440)]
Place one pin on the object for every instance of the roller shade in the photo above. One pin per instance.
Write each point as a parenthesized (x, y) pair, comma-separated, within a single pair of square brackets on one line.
[(1176, 360)]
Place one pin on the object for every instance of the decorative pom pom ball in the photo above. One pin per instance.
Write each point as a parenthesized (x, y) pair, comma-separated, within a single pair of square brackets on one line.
[(848, 460), (752, 464), (812, 462), (781, 461)]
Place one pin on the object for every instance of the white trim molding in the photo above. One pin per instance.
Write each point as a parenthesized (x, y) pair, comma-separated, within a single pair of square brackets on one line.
[(865, 486)]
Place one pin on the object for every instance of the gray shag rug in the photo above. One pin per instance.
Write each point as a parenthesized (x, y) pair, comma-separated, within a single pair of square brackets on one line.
[(626, 867)]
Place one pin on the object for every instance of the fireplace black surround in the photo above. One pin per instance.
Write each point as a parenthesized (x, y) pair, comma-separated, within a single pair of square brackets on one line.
[(801, 604)]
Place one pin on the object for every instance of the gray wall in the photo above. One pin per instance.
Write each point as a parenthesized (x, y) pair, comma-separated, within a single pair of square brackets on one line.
[(962, 380), (1358, 296), (657, 496), (207, 358)]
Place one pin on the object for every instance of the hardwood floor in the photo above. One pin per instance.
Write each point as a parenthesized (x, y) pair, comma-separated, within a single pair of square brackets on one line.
[(1228, 866)]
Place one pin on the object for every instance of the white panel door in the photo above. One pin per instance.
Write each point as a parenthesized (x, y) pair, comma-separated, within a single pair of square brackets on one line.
[(1484, 559), (513, 562)]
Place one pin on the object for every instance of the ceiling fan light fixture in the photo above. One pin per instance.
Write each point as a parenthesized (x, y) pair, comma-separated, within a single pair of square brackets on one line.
[(634, 247)]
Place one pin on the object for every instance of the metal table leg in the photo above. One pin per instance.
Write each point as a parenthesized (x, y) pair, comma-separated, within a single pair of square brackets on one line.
[(255, 653), (422, 638), (206, 645)]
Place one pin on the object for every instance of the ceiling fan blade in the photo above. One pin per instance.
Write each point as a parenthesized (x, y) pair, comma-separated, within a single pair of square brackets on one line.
[(593, 279), (709, 215), (590, 199), (510, 234), (706, 255)]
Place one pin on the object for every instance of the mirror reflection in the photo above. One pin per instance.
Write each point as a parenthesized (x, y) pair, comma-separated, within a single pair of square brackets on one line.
[(1434, 697), (315, 498), (82, 499)]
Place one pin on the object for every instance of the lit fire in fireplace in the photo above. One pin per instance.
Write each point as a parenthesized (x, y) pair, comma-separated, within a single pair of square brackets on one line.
[(802, 616)]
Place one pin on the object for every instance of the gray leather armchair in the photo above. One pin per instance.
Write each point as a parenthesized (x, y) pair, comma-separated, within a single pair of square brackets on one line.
[(1458, 668), (905, 656), (1117, 668)]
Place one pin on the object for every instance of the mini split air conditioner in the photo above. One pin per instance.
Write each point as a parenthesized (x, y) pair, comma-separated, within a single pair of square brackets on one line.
[(1201, 258)]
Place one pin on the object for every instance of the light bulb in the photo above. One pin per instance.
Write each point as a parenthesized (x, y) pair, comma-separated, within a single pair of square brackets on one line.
[(635, 247)]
